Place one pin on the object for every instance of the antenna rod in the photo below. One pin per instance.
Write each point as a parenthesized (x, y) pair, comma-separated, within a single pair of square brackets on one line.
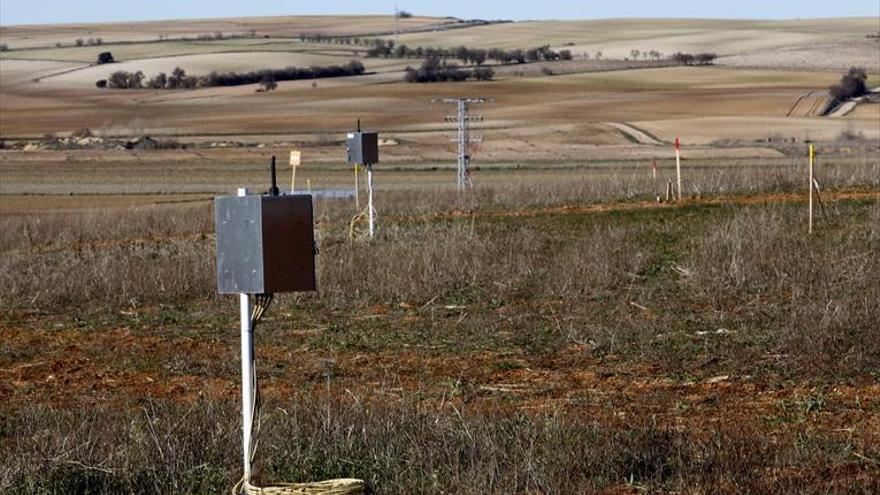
[(273, 191), (359, 125)]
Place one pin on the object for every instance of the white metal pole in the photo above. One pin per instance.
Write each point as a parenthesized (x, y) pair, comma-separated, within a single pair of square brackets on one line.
[(810, 185), (678, 165), (357, 189), (247, 374), (370, 199), (462, 143)]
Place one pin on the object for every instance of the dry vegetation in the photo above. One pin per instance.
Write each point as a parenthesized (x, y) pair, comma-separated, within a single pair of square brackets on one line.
[(518, 340)]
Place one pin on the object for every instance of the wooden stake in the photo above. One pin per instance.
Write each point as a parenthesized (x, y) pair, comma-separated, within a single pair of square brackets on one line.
[(678, 165), (295, 157)]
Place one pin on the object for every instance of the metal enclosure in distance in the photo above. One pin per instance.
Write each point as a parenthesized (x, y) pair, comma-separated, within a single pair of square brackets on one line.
[(363, 148), (265, 244)]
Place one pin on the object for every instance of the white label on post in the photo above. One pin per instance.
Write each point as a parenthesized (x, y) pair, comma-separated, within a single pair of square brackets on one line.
[(295, 157)]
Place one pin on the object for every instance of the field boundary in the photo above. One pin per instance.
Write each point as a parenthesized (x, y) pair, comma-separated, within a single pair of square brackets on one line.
[(853, 194)]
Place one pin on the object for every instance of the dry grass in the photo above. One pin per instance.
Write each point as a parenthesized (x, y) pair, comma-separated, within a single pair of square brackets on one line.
[(403, 447), (60, 258), (554, 331), (530, 351)]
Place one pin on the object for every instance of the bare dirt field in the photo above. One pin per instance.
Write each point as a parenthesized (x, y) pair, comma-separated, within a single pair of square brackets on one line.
[(563, 327), (286, 27), (839, 56), (615, 38), (221, 62)]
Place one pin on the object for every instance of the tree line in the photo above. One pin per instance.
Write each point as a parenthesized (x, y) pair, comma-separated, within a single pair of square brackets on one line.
[(178, 79), (381, 48), (434, 69), (694, 58), (477, 56)]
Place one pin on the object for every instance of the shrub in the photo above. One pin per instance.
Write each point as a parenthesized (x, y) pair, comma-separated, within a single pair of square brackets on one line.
[(159, 81), (79, 42), (177, 77), (4, 47), (105, 58), (694, 59), (125, 80), (483, 74), (683, 58), (268, 83), (706, 58), (851, 85), (101, 83)]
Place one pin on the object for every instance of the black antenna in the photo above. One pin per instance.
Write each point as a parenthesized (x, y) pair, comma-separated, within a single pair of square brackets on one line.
[(273, 191), (359, 125)]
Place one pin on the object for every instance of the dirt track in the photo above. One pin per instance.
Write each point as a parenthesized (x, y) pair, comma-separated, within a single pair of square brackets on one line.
[(639, 135)]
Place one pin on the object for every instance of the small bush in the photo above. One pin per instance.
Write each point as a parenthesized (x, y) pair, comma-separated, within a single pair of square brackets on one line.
[(159, 81), (483, 74), (105, 58), (694, 59), (125, 80), (268, 83), (851, 85)]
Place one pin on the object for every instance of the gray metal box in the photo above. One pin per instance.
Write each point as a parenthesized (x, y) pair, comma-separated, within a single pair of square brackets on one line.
[(265, 244), (363, 148)]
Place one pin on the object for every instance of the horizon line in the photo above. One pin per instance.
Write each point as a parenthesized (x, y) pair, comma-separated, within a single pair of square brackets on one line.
[(614, 18)]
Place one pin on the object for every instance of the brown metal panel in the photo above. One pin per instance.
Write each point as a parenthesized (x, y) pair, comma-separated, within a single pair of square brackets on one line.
[(288, 243)]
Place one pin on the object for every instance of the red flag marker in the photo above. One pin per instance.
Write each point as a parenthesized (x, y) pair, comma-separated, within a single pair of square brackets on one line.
[(677, 144)]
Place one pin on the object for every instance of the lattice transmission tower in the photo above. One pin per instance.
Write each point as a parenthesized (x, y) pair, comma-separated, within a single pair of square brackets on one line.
[(465, 139)]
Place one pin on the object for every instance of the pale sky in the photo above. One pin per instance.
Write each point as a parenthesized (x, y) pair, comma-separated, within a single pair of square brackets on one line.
[(58, 11)]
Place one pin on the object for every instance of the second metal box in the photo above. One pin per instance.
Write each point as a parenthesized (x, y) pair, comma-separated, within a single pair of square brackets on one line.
[(363, 148)]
